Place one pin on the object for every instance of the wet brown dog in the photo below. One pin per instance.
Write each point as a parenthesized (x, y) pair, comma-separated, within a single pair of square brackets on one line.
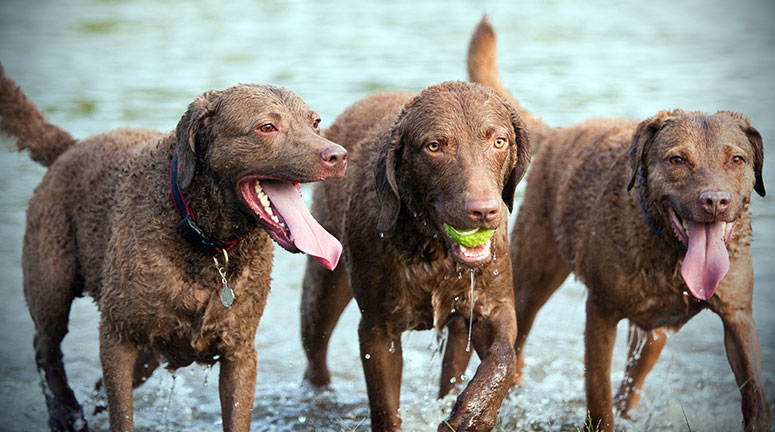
[(103, 223), (452, 156), (653, 217)]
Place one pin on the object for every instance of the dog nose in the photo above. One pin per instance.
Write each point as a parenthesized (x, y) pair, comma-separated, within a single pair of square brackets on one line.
[(334, 156), (483, 210), (714, 201)]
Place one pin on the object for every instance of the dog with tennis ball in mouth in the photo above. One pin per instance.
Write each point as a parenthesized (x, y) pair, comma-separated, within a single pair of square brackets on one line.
[(422, 216)]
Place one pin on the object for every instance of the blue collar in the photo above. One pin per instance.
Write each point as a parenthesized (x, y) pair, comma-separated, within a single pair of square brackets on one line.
[(650, 221)]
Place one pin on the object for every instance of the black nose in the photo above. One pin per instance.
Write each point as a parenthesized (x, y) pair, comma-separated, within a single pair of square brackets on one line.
[(482, 210), (334, 156), (714, 201)]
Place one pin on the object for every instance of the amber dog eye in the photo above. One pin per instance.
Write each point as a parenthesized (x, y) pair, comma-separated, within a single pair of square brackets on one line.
[(676, 160), (266, 128), (500, 142), (739, 160), (434, 147)]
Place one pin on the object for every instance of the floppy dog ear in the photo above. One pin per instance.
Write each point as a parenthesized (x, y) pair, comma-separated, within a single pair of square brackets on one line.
[(387, 188), (187, 130), (641, 140), (521, 161), (758, 157)]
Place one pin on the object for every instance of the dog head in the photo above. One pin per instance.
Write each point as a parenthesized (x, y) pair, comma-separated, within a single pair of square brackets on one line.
[(451, 164), (259, 142), (699, 171)]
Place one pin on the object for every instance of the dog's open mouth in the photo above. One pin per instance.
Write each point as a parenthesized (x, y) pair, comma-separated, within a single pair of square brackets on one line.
[(471, 247), (706, 261), (282, 212)]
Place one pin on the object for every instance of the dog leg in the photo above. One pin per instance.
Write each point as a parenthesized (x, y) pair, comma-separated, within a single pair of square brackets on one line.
[(456, 357), (324, 296), (741, 341), (118, 358), (50, 290), (237, 386), (477, 406), (599, 338), (644, 351), (382, 366), (538, 271)]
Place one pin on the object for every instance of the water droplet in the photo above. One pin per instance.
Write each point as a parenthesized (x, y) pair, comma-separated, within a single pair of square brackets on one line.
[(435, 236), (463, 377), (414, 214), (145, 365), (459, 275), (495, 272), (452, 311), (302, 419), (236, 404), (367, 356), (381, 235), (686, 293), (452, 380), (457, 298), (471, 316), (392, 348)]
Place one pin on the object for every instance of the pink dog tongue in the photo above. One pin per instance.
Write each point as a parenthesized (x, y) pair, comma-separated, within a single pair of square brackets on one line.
[(307, 233), (707, 260)]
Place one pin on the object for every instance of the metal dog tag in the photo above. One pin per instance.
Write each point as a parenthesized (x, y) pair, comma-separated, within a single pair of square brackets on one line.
[(227, 294)]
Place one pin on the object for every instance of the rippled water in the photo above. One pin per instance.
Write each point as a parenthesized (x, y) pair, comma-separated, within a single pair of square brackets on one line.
[(96, 65)]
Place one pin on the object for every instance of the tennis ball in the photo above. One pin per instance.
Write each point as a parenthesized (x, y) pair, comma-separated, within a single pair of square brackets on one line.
[(470, 238)]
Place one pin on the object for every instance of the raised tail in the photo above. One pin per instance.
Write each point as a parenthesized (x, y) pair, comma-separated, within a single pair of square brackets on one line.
[(482, 70), (19, 118)]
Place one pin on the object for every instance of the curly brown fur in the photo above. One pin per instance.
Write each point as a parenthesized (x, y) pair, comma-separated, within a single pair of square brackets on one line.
[(582, 213), (418, 162), (102, 222)]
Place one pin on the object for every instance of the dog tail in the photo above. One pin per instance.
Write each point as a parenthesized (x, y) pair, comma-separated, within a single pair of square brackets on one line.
[(19, 118), (482, 70)]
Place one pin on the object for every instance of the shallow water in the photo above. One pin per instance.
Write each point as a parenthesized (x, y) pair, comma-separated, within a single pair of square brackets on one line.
[(100, 64)]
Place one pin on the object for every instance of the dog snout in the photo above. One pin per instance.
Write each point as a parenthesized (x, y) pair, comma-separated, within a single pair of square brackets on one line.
[(334, 157), (483, 210), (714, 201)]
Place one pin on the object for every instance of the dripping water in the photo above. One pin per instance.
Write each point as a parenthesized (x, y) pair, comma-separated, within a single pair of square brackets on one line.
[(471, 315), (169, 403)]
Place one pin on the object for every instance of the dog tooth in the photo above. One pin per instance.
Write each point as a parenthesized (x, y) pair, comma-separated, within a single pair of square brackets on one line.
[(264, 200), (275, 218), (463, 249)]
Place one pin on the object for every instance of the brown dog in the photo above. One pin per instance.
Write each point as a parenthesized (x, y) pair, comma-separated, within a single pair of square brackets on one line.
[(653, 218), (103, 222), (450, 156)]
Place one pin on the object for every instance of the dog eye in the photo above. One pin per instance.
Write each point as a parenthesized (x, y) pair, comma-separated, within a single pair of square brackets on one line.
[(266, 128), (739, 160), (434, 147), (500, 142), (676, 160), (316, 124)]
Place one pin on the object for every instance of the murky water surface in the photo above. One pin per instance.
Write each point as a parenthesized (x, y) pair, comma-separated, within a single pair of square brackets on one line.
[(100, 64)]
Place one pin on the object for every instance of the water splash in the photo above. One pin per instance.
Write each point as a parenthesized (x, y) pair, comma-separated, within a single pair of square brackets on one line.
[(471, 316), (169, 403), (208, 368), (392, 348)]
